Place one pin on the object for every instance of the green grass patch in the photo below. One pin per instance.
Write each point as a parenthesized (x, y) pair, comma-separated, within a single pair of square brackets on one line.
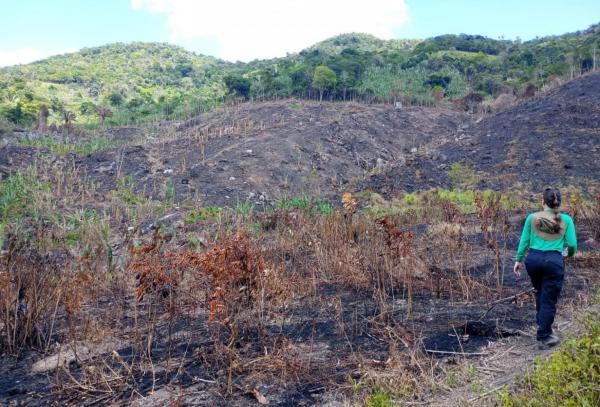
[(83, 147), (13, 194), (126, 192), (380, 398), (202, 214), (569, 377), (462, 176), (243, 208), (297, 202), (305, 203), (322, 207), (465, 200), (17, 202)]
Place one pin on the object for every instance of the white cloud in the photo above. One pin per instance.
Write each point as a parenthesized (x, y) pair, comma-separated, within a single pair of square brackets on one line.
[(20, 56), (26, 55), (249, 29)]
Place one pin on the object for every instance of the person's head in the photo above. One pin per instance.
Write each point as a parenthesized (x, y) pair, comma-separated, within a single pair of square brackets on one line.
[(552, 198)]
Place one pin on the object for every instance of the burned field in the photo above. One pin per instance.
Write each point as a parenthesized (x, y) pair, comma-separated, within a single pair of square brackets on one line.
[(551, 139), (269, 253)]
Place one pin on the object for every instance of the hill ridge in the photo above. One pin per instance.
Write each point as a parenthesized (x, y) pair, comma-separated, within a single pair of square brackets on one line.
[(147, 82)]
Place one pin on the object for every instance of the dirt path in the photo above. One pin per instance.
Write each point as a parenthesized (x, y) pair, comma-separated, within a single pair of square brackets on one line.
[(505, 361)]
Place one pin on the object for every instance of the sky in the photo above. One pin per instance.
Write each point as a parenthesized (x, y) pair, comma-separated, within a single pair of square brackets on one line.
[(256, 29)]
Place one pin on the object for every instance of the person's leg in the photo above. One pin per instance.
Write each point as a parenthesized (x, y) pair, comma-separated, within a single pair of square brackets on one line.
[(552, 283), (533, 265)]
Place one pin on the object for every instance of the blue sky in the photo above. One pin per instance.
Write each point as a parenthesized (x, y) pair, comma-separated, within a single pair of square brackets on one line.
[(248, 29)]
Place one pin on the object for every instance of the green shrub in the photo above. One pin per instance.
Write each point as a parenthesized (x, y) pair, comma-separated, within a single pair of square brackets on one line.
[(462, 176), (243, 208), (410, 199), (464, 199), (569, 377), (323, 207), (380, 399), (202, 214)]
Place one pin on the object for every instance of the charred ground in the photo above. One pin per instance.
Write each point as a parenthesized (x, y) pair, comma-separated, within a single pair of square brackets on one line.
[(551, 139), (161, 294)]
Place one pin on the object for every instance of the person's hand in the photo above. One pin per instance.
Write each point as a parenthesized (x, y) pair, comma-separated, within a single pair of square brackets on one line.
[(517, 268)]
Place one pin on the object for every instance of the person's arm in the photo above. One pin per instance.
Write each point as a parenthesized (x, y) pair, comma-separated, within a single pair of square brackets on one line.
[(525, 240), (523, 246), (570, 237)]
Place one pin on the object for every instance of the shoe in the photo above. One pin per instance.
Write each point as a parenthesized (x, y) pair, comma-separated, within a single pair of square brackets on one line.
[(548, 342)]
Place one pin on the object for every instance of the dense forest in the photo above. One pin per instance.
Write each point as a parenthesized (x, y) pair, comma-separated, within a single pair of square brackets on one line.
[(124, 83)]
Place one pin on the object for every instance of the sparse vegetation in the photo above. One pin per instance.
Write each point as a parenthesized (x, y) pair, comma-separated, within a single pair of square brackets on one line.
[(83, 147), (234, 255), (569, 377)]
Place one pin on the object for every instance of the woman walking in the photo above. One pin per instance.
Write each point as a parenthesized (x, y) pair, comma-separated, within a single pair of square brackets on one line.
[(545, 235)]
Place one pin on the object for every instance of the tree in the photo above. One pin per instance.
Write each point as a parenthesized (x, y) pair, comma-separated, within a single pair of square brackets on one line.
[(42, 123), (237, 84), (438, 93), (68, 117), (344, 81), (115, 99), (184, 69), (60, 109), (103, 113), (15, 114), (323, 79), (87, 108)]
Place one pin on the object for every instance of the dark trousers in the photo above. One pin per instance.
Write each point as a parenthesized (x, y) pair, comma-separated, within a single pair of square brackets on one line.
[(547, 272)]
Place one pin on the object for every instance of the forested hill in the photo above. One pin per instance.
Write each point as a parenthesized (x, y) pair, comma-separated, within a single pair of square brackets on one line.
[(149, 81), (133, 80)]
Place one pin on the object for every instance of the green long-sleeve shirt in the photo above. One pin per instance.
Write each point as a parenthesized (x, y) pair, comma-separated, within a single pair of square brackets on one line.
[(530, 240)]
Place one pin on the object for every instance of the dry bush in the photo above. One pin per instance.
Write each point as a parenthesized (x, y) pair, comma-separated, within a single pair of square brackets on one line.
[(403, 374), (288, 362), (374, 259), (449, 255), (335, 243), (235, 265), (32, 287), (528, 90), (553, 81), (240, 286), (101, 378), (152, 269), (471, 102), (502, 102), (494, 224), (314, 251), (585, 214)]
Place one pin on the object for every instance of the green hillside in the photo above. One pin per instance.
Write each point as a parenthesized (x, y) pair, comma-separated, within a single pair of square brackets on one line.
[(146, 81), (135, 81)]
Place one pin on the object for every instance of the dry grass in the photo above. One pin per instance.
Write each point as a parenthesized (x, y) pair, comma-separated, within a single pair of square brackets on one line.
[(283, 298)]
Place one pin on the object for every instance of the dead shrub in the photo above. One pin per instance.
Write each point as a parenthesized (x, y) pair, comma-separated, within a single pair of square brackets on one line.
[(32, 286), (400, 268), (528, 90), (403, 374), (235, 266), (239, 286), (493, 222), (502, 102), (448, 254)]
